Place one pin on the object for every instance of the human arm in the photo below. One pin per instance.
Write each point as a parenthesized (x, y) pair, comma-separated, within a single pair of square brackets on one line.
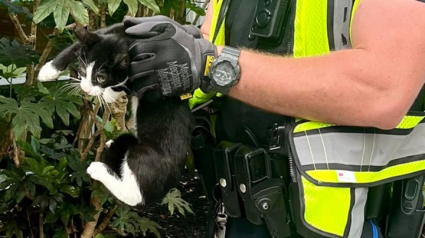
[(373, 84), (206, 25)]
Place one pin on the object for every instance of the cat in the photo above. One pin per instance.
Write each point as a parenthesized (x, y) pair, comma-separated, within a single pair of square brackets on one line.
[(137, 169)]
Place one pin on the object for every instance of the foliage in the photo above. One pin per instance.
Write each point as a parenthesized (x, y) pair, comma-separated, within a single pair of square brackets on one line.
[(174, 200), (129, 221), (11, 52), (44, 188)]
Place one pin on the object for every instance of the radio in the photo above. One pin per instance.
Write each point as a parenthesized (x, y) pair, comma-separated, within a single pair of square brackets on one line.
[(269, 17)]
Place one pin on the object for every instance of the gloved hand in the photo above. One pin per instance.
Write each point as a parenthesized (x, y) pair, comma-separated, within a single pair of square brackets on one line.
[(132, 21), (167, 59)]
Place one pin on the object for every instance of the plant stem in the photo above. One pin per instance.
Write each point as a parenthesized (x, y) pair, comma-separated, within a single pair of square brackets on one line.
[(40, 224), (19, 28), (89, 227), (103, 15), (105, 221), (29, 223), (197, 15)]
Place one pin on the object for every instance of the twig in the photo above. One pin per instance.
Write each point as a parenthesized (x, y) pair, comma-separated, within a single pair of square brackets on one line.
[(103, 15), (90, 226), (40, 224), (19, 28), (204, 6), (105, 221), (29, 223)]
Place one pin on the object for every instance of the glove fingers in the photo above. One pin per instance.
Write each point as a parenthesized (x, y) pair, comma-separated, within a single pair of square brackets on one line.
[(131, 21), (145, 28)]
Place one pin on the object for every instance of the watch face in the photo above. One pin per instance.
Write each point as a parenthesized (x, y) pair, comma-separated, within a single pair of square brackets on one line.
[(223, 73)]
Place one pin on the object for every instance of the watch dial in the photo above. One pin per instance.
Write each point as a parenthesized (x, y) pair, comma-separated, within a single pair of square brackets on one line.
[(224, 73)]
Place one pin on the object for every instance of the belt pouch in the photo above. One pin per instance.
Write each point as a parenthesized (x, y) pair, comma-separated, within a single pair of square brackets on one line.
[(251, 167), (223, 159), (407, 215)]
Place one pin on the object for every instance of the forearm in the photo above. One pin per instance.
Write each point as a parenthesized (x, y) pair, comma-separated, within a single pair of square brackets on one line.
[(338, 88)]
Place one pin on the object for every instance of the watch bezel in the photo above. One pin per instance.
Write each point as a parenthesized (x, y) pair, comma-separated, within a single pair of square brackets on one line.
[(235, 66)]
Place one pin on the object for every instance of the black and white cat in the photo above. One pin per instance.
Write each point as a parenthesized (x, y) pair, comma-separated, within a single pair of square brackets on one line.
[(139, 169)]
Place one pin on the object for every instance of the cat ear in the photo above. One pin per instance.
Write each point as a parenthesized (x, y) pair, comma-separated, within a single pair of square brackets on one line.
[(86, 37), (121, 60)]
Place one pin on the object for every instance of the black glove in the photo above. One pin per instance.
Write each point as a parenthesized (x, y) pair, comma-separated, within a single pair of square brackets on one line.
[(132, 21), (167, 59)]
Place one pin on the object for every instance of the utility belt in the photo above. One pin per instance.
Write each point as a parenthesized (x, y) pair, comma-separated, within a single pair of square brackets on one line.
[(333, 169)]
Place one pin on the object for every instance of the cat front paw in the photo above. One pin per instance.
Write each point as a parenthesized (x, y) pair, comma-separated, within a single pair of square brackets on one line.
[(109, 143), (97, 170), (48, 72)]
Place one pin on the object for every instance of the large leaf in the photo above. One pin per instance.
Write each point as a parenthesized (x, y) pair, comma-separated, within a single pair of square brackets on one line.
[(91, 5), (79, 12), (150, 4), (132, 6), (174, 200), (113, 6), (63, 103), (12, 52), (17, 9), (61, 15), (11, 71), (44, 10), (26, 116)]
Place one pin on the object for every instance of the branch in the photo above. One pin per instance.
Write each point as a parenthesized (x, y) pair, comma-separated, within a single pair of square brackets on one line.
[(103, 15), (90, 226), (198, 15), (19, 28), (40, 225), (105, 220), (33, 25)]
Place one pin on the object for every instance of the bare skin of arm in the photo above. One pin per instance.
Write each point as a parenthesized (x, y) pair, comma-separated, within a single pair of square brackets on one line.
[(372, 84)]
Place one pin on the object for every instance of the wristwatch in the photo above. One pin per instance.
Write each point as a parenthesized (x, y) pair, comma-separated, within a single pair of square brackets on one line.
[(225, 71)]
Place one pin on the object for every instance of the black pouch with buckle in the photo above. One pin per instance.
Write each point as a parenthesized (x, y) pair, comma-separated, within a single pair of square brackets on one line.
[(224, 164)]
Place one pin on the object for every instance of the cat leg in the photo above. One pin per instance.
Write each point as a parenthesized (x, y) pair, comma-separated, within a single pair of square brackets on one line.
[(52, 69), (125, 189)]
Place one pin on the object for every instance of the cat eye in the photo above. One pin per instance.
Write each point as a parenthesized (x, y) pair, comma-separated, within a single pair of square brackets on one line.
[(100, 79)]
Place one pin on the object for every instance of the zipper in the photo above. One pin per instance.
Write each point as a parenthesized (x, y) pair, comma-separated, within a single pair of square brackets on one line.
[(222, 15)]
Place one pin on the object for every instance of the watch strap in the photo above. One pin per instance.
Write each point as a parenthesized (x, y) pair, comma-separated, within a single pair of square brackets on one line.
[(229, 54)]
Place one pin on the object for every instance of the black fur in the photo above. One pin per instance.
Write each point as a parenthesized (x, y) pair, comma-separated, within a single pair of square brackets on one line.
[(158, 153)]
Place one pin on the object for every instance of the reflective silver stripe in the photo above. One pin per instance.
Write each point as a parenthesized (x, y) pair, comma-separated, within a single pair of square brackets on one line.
[(341, 23), (359, 148), (357, 212)]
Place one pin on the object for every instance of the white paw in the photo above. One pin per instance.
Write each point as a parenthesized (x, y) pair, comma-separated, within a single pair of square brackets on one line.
[(109, 143), (48, 72), (97, 170)]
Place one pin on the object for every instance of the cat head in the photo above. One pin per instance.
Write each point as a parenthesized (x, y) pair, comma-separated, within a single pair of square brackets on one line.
[(102, 63)]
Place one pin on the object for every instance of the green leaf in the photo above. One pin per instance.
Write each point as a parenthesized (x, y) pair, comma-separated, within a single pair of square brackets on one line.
[(71, 190), (92, 6), (79, 12), (35, 144), (46, 7), (60, 233), (113, 6), (28, 149), (27, 118), (61, 15), (174, 200), (146, 225), (13, 52), (62, 103), (150, 4), (2, 178), (132, 7)]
